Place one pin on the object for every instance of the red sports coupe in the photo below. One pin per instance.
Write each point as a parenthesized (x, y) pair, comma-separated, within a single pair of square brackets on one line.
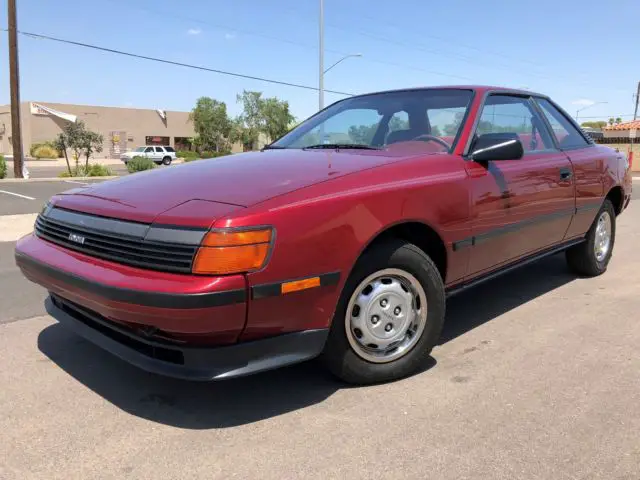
[(342, 239)]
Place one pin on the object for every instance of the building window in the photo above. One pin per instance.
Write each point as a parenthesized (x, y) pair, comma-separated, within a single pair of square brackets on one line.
[(183, 143), (156, 140)]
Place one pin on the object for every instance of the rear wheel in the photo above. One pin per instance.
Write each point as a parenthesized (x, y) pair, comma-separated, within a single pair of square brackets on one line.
[(592, 257), (166, 161), (389, 316)]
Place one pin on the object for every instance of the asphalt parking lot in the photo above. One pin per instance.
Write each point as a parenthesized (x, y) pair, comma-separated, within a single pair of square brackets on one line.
[(536, 377)]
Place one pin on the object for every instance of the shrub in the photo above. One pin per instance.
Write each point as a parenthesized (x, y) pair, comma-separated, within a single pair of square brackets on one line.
[(94, 170), (187, 155), (3, 167), (207, 154), (97, 170), (138, 164), (50, 144), (45, 151)]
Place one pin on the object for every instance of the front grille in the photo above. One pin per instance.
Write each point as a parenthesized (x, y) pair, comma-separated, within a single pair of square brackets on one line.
[(117, 248)]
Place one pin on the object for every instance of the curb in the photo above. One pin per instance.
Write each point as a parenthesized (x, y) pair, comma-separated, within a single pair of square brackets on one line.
[(54, 179)]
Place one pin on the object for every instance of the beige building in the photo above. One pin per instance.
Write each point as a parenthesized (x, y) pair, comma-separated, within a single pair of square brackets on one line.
[(123, 129)]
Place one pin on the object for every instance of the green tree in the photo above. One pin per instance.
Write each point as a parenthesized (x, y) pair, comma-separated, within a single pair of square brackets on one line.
[(362, 134), (270, 116), (211, 124), (250, 122), (81, 141), (276, 117), (451, 129), (90, 143), (598, 124), (612, 121), (618, 120), (61, 142)]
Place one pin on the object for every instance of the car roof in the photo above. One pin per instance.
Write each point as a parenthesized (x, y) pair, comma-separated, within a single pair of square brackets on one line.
[(481, 89)]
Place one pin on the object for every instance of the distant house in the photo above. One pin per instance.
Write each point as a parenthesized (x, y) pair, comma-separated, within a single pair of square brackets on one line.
[(621, 131)]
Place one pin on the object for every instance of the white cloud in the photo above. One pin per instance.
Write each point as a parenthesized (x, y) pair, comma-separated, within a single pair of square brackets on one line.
[(229, 36), (194, 31), (583, 101)]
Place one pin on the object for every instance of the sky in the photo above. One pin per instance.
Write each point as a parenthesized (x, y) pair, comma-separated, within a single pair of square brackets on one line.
[(579, 54)]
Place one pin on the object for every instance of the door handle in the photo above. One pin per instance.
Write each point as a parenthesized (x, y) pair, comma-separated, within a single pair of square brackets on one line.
[(565, 174)]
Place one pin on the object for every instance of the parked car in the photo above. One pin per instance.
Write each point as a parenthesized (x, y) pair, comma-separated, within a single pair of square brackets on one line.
[(342, 239), (159, 154)]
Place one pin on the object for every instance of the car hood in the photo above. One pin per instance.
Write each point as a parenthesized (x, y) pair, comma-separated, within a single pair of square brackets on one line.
[(239, 180)]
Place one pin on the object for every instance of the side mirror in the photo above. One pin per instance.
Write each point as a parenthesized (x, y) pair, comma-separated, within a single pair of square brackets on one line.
[(497, 146)]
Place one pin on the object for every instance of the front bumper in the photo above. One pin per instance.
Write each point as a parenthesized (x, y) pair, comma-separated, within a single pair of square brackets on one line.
[(190, 363), (193, 309)]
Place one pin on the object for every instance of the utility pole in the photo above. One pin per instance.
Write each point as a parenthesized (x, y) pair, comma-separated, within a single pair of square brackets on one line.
[(14, 80), (635, 112), (321, 59)]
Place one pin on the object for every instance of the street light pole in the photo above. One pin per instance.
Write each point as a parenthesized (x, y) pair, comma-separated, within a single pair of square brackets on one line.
[(321, 59), (584, 108), (351, 55)]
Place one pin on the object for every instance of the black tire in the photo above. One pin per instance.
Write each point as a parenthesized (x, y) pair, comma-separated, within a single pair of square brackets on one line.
[(166, 161), (339, 355), (582, 258)]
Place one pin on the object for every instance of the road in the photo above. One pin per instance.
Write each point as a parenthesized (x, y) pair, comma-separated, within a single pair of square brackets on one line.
[(536, 377)]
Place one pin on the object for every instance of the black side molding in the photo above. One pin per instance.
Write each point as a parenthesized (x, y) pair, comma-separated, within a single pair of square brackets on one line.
[(138, 297), (510, 267), (275, 289)]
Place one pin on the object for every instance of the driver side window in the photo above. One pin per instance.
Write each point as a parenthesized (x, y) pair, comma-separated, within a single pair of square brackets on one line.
[(505, 113)]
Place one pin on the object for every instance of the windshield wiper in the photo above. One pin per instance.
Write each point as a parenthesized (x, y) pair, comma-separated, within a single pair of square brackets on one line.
[(273, 147), (333, 146)]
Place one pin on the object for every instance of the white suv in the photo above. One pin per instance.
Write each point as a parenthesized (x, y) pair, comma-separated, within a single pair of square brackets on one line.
[(160, 155)]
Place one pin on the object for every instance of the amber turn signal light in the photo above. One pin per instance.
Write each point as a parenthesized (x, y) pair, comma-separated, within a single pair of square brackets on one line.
[(227, 252), (298, 285)]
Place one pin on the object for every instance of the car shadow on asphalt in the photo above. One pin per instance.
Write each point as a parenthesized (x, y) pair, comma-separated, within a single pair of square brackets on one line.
[(229, 403)]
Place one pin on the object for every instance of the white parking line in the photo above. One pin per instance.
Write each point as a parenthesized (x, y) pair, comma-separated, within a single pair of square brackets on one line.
[(79, 183), (17, 195)]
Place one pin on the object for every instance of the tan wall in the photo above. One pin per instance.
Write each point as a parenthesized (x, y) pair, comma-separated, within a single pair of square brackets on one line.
[(137, 123), (616, 133)]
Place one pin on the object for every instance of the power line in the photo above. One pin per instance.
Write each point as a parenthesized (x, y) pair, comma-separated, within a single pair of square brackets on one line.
[(227, 28), (291, 42), (614, 115), (179, 64)]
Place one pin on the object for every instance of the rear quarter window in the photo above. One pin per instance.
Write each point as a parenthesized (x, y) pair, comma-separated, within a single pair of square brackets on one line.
[(567, 135)]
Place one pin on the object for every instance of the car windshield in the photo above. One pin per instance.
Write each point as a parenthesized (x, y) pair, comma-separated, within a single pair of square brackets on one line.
[(429, 120), (139, 149)]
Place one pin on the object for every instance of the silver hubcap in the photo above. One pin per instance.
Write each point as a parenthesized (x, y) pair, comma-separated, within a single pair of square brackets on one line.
[(602, 242), (386, 315)]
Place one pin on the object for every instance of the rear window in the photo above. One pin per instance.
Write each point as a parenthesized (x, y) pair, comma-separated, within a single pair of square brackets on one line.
[(169, 149)]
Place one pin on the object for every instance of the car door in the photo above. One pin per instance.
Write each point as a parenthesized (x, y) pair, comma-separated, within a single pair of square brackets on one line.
[(589, 164), (149, 153), (518, 207), (159, 154)]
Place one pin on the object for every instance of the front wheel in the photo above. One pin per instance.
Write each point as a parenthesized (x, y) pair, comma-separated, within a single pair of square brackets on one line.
[(591, 257), (389, 316)]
